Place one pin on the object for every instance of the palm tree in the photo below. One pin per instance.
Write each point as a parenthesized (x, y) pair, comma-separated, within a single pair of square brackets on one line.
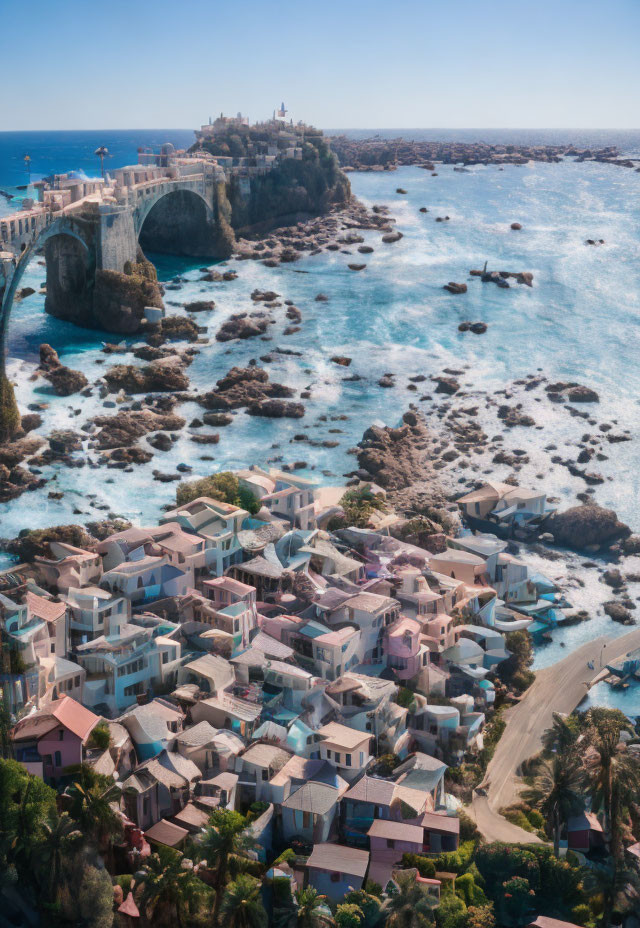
[(95, 810), (60, 838), (556, 792), (242, 905), (224, 844), (169, 890), (563, 734), (411, 906), (312, 908)]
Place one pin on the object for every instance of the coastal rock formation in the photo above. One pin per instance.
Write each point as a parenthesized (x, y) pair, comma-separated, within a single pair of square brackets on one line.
[(200, 306), (35, 543), (399, 459), (163, 375), (119, 299), (448, 385), (276, 409), (574, 392), (64, 381), (241, 326), (125, 427), (174, 328), (391, 237), (453, 287), (244, 386), (586, 527), (396, 458)]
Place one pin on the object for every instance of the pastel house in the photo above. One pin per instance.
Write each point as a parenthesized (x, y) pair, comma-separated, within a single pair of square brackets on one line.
[(51, 740), (218, 524), (406, 654), (388, 841), (335, 869), (347, 749)]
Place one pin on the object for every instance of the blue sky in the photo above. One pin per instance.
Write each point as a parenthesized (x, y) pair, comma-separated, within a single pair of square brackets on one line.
[(408, 63)]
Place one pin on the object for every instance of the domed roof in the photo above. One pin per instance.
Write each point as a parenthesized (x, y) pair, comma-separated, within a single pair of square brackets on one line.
[(167, 148)]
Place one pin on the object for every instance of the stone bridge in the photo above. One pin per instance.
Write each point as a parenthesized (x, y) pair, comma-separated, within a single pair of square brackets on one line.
[(85, 227)]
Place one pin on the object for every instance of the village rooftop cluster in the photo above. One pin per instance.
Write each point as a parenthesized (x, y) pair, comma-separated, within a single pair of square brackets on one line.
[(239, 659)]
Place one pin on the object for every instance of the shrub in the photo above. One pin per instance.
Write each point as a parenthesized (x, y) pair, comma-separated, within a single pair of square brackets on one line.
[(223, 486), (100, 736), (452, 912), (424, 865), (468, 891), (349, 916), (468, 828), (9, 414), (287, 857)]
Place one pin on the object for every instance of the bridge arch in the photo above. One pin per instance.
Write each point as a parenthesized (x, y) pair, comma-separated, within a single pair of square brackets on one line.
[(73, 277), (180, 221)]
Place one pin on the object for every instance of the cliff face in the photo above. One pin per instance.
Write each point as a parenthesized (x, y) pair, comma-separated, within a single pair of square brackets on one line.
[(310, 185), (114, 301)]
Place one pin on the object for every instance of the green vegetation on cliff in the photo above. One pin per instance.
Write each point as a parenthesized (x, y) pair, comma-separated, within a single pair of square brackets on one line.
[(9, 414), (311, 184)]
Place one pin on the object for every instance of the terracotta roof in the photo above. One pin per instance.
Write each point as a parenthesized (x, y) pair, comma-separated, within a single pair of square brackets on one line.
[(44, 608), (74, 716), (164, 832), (340, 859)]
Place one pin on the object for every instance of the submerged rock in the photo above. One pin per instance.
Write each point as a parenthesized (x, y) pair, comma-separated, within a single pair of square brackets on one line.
[(453, 287)]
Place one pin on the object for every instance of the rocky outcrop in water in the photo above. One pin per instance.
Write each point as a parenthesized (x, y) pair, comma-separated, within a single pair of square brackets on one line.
[(124, 428), (586, 528), (244, 386), (64, 380), (162, 375), (242, 326)]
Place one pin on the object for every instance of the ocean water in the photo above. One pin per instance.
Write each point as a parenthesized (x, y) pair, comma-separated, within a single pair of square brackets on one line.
[(578, 322)]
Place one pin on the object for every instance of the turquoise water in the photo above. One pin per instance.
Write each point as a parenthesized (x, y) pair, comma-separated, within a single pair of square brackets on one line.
[(579, 321)]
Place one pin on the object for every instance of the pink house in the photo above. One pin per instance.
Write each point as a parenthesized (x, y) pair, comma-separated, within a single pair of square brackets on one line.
[(52, 739), (388, 841), (406, 654)]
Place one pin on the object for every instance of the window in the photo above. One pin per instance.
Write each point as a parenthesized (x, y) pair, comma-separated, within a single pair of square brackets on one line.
[(328, 754), (165, 657), (337, 757), (361, 759), (61, 735), (53, 647), (57, 759), (335, 877), (76, 681), (477, 509), (306, 819), (347, 759), (391, 843), (265, 774)]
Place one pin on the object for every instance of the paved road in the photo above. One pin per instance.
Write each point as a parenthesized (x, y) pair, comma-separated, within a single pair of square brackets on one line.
[(558, 688)]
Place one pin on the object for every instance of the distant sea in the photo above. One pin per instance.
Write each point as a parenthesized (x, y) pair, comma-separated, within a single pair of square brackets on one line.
[(58, 152)]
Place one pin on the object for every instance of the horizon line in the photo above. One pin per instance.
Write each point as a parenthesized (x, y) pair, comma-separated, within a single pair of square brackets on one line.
[(354, 128)]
